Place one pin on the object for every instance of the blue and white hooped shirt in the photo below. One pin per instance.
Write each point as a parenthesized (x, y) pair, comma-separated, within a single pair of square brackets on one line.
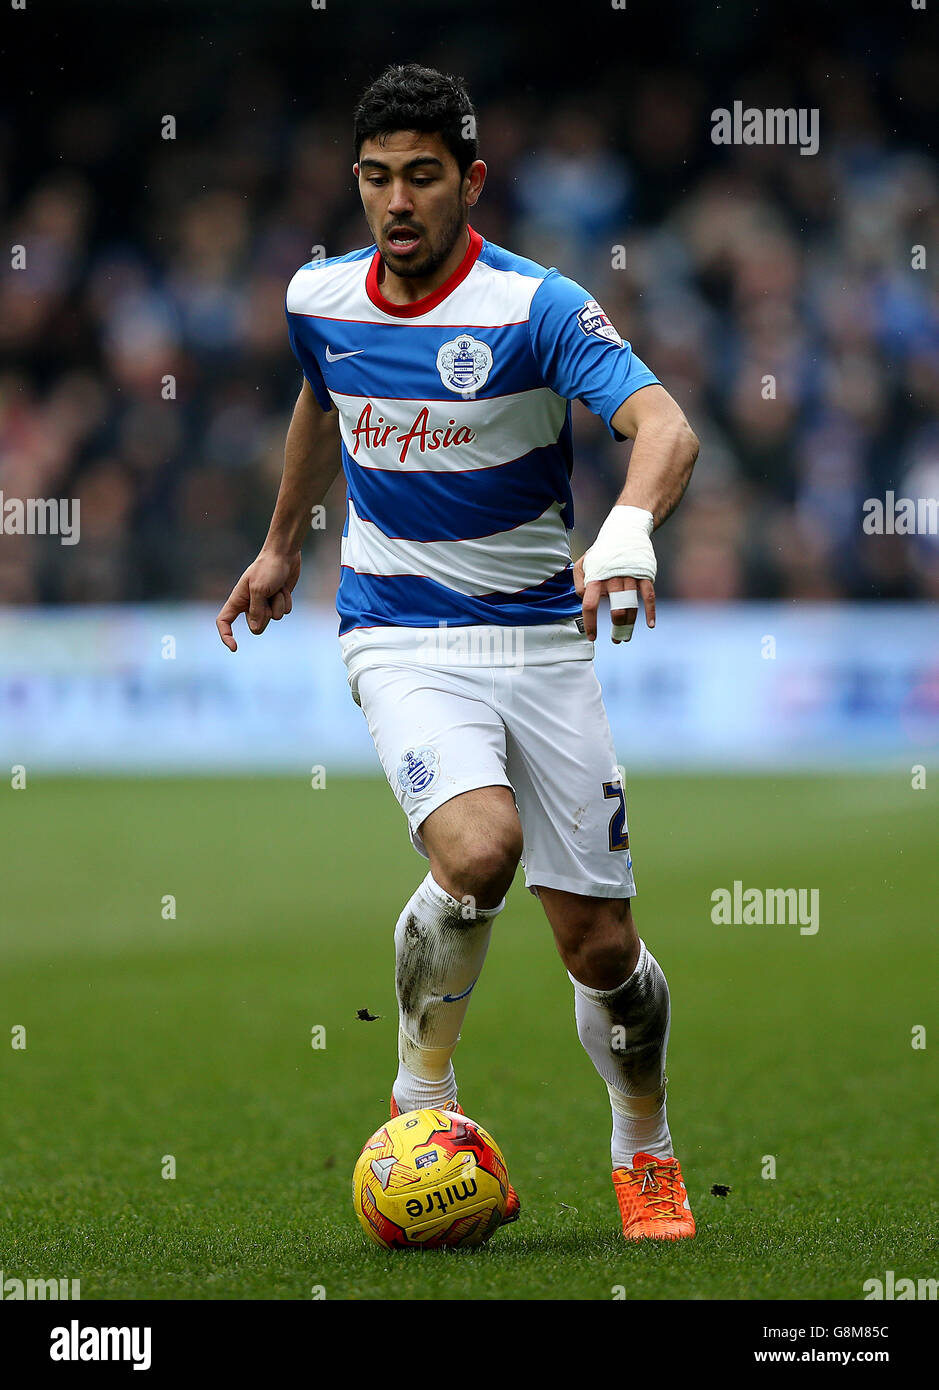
[(455, 419)]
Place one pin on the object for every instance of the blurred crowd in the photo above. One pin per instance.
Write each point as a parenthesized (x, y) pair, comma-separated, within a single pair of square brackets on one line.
[(145, 369)]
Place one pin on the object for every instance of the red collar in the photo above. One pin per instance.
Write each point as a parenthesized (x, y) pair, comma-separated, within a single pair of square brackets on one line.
[(430, 301)]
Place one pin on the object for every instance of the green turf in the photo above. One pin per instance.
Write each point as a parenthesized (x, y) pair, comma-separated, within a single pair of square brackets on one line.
[(191, 1037)]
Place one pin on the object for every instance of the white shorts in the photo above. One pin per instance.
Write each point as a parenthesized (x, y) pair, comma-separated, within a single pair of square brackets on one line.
[(539, 729)]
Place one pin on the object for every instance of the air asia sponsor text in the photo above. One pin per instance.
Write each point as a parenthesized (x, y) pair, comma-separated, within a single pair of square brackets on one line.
[(376, 436)]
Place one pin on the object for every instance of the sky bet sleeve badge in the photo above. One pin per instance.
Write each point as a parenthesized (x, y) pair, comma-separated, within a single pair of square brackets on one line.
[(595, 324)]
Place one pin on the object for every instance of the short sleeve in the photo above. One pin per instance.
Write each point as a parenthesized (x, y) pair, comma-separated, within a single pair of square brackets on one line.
[(579, 352), (301, 343)]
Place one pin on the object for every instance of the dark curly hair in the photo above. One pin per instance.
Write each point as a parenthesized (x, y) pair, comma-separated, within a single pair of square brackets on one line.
[(410, 97)]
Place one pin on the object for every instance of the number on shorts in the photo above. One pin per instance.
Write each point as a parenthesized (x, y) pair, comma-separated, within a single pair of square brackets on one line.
[(619, 835)]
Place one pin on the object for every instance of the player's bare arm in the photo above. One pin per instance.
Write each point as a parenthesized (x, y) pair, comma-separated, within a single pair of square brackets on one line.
[(311, 462), (622, 560)]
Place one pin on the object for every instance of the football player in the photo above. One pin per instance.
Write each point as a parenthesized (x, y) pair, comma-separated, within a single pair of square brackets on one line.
[(438, 373)]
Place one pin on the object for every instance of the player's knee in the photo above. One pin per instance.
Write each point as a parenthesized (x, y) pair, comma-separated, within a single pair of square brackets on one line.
[(601, 951), (486, 864)]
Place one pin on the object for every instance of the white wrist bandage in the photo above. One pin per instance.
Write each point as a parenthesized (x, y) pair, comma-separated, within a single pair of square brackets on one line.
[(622, 550)]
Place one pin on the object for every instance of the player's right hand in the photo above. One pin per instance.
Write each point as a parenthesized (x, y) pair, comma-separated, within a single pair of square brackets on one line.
[(263, 592)]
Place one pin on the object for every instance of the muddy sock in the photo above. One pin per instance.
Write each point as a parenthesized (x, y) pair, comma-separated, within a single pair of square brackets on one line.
[(440, 946), (625, 1032)]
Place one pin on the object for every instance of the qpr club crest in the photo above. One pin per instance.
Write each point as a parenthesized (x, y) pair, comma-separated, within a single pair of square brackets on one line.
[(464, 364), (418, 770), (594, 322)]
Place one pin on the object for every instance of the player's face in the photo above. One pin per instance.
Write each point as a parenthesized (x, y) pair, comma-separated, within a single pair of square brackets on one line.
[(416, 204)]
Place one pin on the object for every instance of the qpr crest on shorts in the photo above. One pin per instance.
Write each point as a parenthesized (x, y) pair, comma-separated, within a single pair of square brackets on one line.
[(464, 364), (418, 770), (595, 324)]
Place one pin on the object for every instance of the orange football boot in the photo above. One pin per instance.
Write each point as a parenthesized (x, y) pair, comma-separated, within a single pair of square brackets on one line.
[(653, 1199), (512, 1205)]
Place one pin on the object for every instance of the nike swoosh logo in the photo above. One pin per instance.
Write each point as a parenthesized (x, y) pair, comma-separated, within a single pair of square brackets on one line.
[(453, 998), (337, 356)]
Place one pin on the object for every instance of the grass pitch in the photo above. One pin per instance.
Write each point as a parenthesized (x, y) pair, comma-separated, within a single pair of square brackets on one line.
[(149, 1036)]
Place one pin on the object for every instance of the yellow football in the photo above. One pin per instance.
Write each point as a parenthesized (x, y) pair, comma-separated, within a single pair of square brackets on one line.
[(430, 1178)]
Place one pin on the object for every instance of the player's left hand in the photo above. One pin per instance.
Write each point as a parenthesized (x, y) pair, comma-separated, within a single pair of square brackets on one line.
[(621, 563), (623, 609)]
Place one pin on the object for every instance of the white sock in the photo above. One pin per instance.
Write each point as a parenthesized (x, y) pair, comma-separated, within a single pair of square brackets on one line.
[(625, 1033), (440, 946)]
